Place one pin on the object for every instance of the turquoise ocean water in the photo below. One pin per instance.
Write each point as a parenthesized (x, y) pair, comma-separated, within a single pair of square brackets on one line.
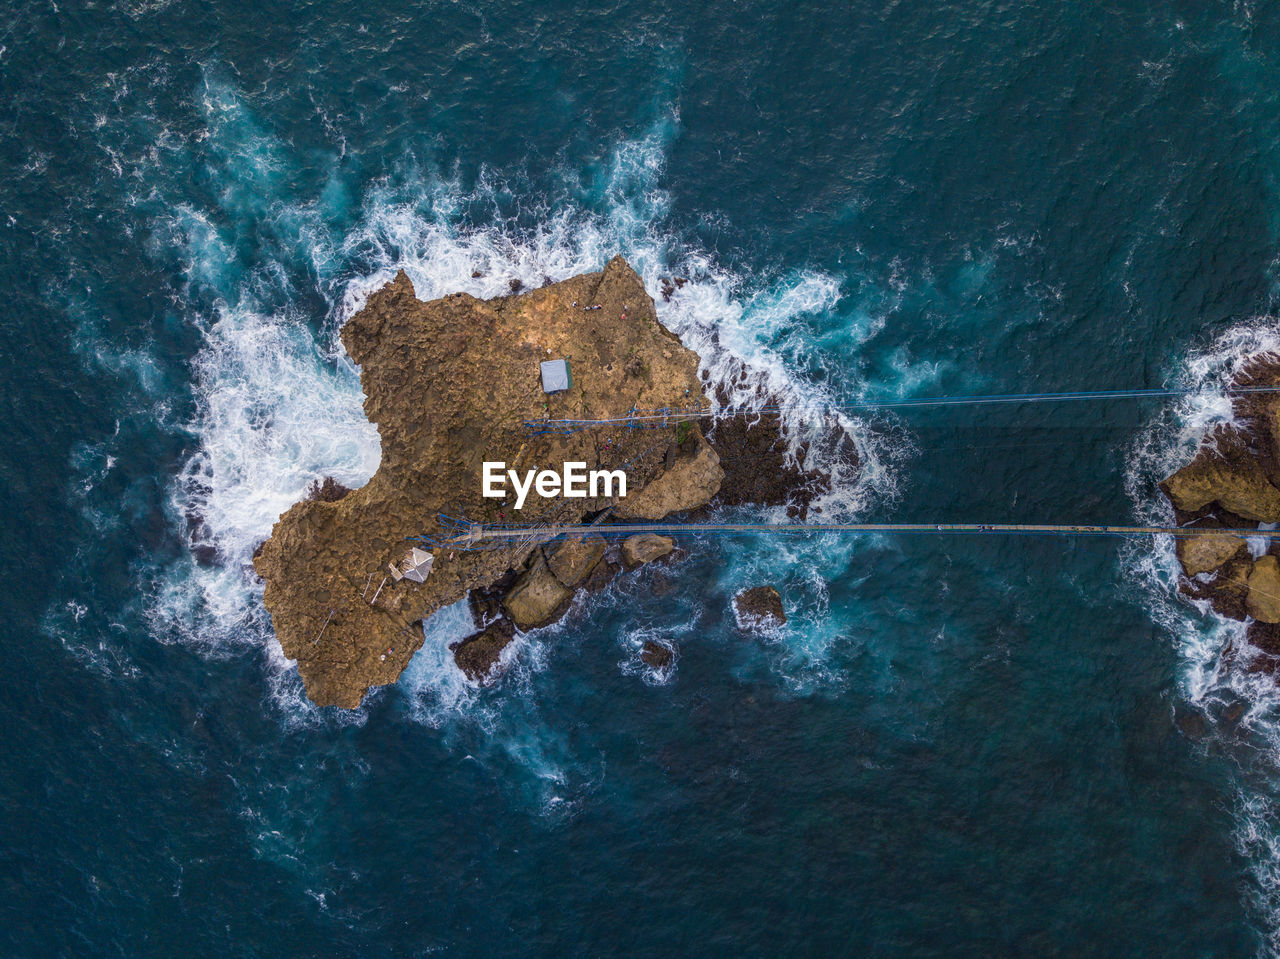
[(955, 747)]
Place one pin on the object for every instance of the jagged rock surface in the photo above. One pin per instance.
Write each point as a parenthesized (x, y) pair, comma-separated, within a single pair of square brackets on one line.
[(1263, 601), (1229, 476), (572, 560), (1207, 552), (657, 655), (693, 477), (538, 598), (645, 548), (479, 653), (449, 384), (1231, 483), (760, 607)]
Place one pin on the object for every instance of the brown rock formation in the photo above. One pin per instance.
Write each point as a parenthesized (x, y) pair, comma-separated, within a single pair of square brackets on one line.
[(656, 654), (1229, 476), (1208, 552), (449, 385), (1227, 589), (645, 548), (1231, 484), (572, 560), (689, 480), (759, 608), (477, 655), (1263, 601), (538, 598)]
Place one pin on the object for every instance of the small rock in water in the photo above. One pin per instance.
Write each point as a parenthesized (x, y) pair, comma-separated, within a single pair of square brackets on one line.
[(480, 652), (657, 655), (759, 608), (205, 554)]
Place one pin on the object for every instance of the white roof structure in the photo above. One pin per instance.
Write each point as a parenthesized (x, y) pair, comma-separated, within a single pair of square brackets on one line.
[(416, 566), (555, 376)]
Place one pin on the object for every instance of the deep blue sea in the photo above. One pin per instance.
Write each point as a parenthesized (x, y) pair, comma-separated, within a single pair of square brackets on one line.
[(966, 746)]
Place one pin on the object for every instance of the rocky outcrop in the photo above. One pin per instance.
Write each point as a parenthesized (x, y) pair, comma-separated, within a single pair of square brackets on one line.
[(449, 385), (1228, 476), (657, 655), (543, 592), (328, 491), (538, 598), (1263, 600), (1227, 589), (759, 608), (761, 468), (1231, 484), (1208, 552), (573, 559), (601, 576), (645, 548), (454, 383), (691, 477), (479, 653)]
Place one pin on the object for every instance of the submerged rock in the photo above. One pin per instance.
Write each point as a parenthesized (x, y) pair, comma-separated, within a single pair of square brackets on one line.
[(477, 655), (760, 607)]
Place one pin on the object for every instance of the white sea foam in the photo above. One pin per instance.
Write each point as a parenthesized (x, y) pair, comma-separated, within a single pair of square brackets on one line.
[(436, 686), (1211, 680)]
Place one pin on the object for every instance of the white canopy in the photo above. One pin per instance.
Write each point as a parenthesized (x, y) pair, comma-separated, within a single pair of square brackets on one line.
[(416, 566)]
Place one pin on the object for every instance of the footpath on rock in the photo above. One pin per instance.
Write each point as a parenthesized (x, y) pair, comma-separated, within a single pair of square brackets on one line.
[(450, 385)]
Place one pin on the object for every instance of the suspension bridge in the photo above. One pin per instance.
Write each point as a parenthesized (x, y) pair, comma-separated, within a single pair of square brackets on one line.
[(466, 535), (659, 418)]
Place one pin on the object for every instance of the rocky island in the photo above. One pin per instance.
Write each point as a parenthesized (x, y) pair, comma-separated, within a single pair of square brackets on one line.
[(1233, 483), (450, 385)]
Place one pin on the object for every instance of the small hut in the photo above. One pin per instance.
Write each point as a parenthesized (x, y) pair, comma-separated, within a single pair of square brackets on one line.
[(556, 377), (416, 566)]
